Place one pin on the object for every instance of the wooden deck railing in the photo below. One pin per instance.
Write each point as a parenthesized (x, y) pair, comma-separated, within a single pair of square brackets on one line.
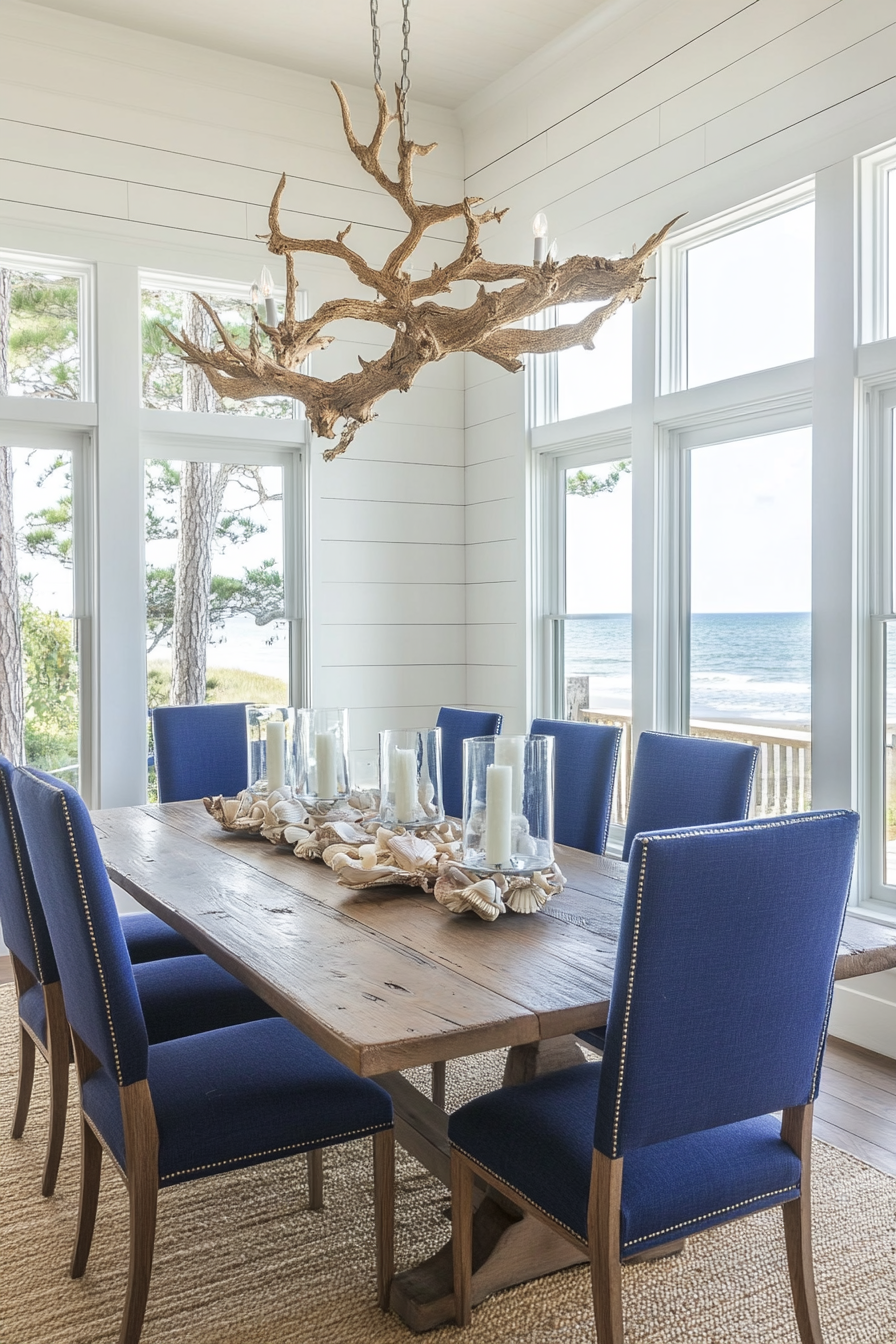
[(783, 780)]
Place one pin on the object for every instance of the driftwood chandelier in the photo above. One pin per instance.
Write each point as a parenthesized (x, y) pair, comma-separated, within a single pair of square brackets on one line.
[(424, 330)]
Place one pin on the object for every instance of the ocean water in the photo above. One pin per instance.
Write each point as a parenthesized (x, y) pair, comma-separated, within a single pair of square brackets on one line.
[(753, 666)]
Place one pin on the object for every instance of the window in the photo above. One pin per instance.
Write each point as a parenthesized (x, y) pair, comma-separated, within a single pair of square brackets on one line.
[(594, 629), (750, 603), (750, 298), (45, 650), (220, 525), (592, 380), (41, 310), (168, 384)]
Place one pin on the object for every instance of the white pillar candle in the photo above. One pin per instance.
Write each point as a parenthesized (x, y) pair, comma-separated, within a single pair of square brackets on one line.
[(275, 747), (405, 772), (512, 751), (498, 796), (325, 756)]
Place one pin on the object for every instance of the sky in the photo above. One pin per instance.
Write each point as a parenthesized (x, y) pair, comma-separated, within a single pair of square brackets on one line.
[(751, 532)]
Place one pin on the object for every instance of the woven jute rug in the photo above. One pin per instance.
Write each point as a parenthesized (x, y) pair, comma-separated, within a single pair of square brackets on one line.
[(240, 1260)]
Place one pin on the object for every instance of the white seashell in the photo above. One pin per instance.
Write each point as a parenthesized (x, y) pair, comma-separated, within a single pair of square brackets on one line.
[(367, 855), (527, 899), (296, 835), (290, 811), (481, 897), (411, 851), (332, 851)]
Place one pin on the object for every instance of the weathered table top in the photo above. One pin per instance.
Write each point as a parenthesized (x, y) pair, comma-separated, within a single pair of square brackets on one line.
[(386, 979)]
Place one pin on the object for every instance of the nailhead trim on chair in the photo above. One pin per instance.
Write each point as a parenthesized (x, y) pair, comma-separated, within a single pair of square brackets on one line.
[(768, 825), (99, 966), (18, 852), (266, 1152), (689, 1222)]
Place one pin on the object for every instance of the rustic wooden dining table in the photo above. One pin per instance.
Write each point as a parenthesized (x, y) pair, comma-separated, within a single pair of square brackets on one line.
[(386, 980)]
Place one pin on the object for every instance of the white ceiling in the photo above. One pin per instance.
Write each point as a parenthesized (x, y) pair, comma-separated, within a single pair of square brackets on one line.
[(458, 47)]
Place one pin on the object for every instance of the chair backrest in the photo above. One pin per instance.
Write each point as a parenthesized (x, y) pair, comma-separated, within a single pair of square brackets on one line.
[(200, 751), (724, 975), (98, 986), (456, 724), (585, 756), (688, 781), (22, 919)]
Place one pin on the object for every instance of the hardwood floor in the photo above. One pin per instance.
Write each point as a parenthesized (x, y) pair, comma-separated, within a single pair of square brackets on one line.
[(856, 1108)]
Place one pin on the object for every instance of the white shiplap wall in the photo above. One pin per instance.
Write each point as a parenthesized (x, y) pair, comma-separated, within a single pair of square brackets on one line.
[(694, 106), (116, 147)]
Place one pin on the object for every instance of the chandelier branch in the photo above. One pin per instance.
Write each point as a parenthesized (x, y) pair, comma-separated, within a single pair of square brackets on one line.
[(422, 330)]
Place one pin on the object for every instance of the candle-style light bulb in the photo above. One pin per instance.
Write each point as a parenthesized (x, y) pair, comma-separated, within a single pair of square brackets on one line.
[(254, 296), (266, 281), (539, 233)]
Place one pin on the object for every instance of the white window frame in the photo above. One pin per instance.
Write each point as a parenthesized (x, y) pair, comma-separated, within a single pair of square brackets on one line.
[(874, 287), (672, 275), (86, 274), (767, 414), (877, 601), (193, 439), (59, 424), (553, 464)]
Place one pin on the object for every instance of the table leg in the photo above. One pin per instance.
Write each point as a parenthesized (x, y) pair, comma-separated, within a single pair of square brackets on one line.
[(509, 1247)]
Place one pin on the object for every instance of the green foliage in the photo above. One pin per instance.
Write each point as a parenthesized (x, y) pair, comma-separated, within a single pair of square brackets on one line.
[(51, 689), (587, 486), (44, 359), (257, 593), (163, 366)]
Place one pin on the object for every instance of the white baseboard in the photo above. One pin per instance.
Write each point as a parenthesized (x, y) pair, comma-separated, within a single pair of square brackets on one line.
[(863, 1018)]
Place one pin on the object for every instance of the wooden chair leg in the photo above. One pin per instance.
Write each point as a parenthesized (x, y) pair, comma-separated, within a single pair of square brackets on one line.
[(25, 1083), (462, 1237), (316, 1178), (439, 1072), (91, 1166), (141, 1141), (796, 1129), (384, 1206), (603, 1246), (58, 1059)]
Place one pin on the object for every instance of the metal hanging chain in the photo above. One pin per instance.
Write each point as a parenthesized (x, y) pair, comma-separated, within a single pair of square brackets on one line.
[(404, 86), (374, 24)]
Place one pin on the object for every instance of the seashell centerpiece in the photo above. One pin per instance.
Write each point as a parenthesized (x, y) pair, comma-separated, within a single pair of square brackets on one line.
[(349, 837)]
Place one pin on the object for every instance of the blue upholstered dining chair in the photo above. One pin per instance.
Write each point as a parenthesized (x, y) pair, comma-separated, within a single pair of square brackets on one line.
[(736, 928), (186, 1108), (180, 990), (687, 781), (200, 751), (684, 781), (456, 724), (585, 757)]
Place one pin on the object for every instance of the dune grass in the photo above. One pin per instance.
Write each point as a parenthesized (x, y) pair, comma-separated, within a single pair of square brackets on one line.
[(224, 685)]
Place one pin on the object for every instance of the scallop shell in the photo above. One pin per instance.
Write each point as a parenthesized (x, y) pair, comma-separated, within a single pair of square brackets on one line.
[(411, 852), (526, 899)]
